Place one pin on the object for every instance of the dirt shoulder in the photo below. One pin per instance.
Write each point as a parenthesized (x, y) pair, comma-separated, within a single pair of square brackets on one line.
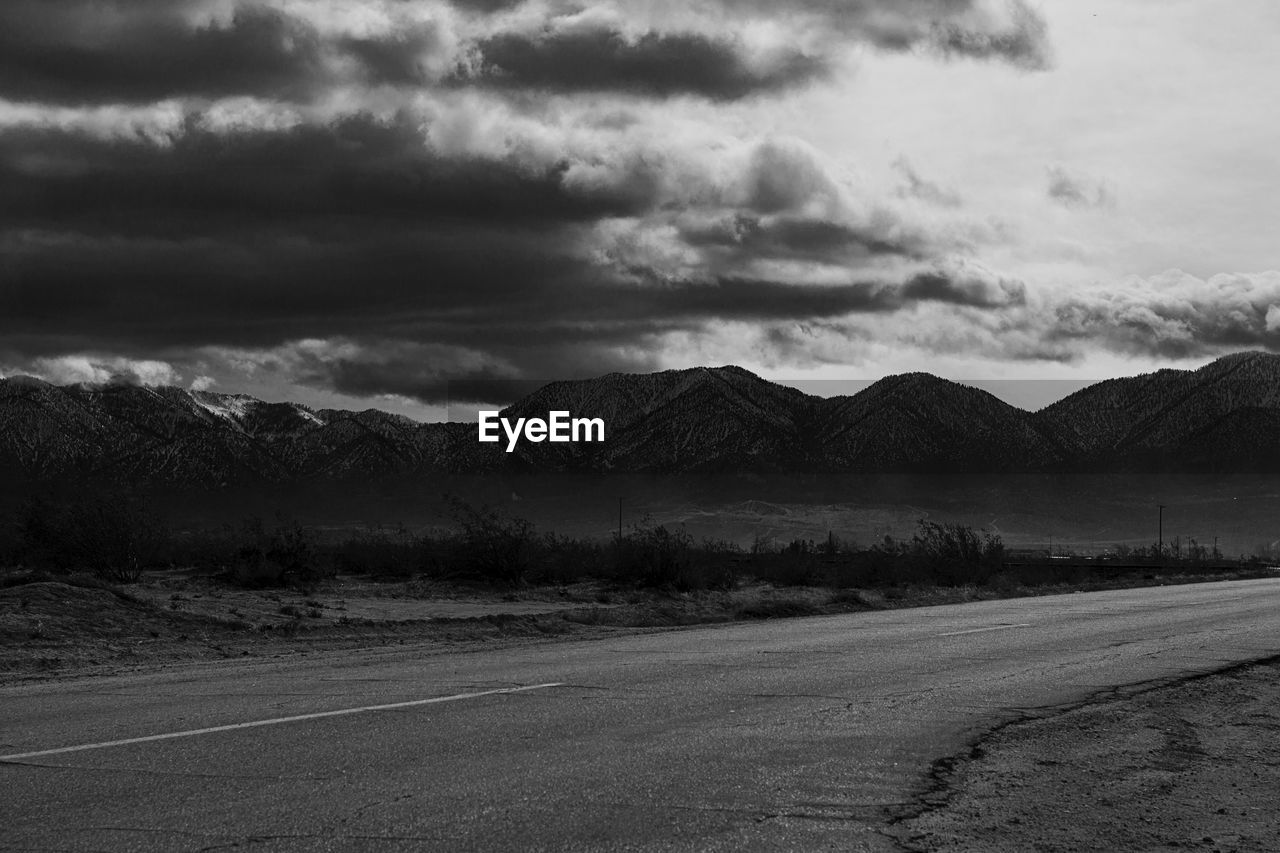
[(67, 626), (1191, 766), (62, 627)]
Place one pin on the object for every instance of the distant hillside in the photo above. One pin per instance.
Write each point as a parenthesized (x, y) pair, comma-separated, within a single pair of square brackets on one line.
[(191, 438), (679, 420), (922, 423), (1225, 416)]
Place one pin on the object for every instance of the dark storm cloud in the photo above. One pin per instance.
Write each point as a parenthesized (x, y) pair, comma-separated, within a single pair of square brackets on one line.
[(976, 291), (450, 284), (750, 299), (488, 6), (136, 293), (565, 338), (442, 375), (77, 51), (138, 51), (360, 231), (712, 63), (359, 170), (654, 64)]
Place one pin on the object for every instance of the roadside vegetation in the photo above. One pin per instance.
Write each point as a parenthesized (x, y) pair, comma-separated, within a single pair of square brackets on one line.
[(100, 578), (116, 538)]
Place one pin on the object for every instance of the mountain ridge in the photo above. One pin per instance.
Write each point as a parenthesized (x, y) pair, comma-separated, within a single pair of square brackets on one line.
[(1223, 416)]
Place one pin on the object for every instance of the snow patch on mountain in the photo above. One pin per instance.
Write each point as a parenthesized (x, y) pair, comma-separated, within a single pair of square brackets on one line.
[(231, 407)]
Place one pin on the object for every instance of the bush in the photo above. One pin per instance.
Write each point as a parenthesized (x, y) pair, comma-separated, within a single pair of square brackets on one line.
[(665, 558), (654, 556), (564, 559), (392, 552), (790, 567), (286, 553), (490, 546), (111, 535), (955, 555)]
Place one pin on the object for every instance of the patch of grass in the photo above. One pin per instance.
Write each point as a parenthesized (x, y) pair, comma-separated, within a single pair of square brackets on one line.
[(851, 598), (73, 579), (777, 608)]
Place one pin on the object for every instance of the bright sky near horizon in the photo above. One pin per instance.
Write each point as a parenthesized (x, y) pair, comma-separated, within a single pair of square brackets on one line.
[(392, 203)]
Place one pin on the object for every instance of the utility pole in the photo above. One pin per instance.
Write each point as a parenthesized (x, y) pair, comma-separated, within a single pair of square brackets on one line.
[(1160, 534), (617, 545)]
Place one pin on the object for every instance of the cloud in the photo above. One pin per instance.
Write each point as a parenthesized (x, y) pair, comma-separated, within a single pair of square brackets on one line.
[(652, 64), (430, 373), (623, 328), (135, 51), (966, 284), (976, 315), (396, 241), (1078, 191), (1273, 318), (355, 167), (953, 310), (1018, 38), (379, 197), (1000, 30), (73, 369), (1174, 315), (924, 190)]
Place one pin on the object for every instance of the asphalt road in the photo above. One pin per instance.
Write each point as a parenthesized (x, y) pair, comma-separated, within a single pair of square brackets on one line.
[(802, 734)]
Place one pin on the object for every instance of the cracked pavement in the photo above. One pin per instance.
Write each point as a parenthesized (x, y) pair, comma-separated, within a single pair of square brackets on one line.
[(798, 734)]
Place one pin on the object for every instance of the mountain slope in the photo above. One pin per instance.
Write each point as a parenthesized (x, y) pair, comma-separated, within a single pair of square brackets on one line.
[(1214, 417), (920, 422), (684, 420)]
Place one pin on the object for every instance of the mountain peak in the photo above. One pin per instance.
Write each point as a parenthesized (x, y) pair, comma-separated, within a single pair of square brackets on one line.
[(1239, 359), (22, 380), (920, 382), (1248, 355)]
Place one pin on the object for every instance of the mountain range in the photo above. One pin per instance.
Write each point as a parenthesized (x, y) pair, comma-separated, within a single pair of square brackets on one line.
[(1222, 417)]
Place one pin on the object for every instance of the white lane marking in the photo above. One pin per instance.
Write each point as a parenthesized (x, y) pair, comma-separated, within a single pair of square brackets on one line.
[(981, 630), (278, 721)]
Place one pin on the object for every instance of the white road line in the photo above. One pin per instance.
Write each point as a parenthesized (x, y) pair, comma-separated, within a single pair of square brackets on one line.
[(981, 630), (278, 721)]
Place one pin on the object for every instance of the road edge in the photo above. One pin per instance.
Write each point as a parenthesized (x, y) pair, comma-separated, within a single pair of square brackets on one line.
[(938, 786)]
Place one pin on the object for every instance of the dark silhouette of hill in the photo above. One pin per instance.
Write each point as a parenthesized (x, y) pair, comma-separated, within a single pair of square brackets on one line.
[(918, 422), (1225, 416), (702, 419)]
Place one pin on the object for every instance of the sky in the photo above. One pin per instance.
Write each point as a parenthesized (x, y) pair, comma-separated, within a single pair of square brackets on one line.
[(402, 203)]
